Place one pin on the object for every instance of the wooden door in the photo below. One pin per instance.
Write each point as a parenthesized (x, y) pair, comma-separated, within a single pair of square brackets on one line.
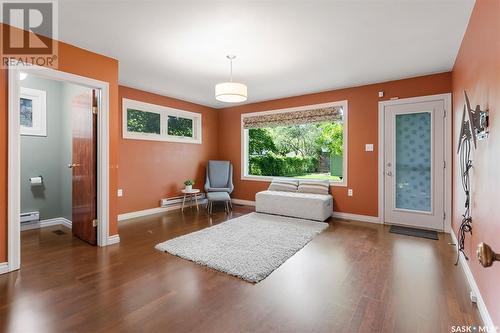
[(84, 114)]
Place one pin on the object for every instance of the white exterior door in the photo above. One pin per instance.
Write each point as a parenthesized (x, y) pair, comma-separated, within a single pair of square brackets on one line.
[(414, 162)]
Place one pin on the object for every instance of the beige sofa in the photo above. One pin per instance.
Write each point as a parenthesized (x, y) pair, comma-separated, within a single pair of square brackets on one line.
[(311, 206)]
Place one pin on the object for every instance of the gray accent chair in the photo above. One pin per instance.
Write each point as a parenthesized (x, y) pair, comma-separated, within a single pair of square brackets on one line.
[(219, 183)]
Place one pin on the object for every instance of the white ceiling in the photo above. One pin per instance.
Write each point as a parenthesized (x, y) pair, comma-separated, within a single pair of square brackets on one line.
[(284, 48)]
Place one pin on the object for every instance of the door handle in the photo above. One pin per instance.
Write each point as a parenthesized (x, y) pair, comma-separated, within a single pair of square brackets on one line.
[(389, 173), (73, 165), (486, 255)]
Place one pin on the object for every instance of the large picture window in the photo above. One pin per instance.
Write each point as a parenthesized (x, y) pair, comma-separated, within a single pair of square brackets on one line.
[(307, 142), (144, 121)]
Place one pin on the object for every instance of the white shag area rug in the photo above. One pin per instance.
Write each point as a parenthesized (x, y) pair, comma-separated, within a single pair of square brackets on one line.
[(250, 247)]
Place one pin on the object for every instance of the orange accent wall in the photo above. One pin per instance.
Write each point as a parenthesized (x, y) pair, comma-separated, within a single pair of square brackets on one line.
[(363, 128), (477, 70), (84, 63), (151, 170)]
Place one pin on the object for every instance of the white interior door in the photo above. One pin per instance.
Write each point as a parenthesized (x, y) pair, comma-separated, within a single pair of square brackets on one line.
[(414, 164)]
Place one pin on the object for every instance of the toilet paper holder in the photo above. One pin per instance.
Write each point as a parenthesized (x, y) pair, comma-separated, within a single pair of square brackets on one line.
[(36, 180)]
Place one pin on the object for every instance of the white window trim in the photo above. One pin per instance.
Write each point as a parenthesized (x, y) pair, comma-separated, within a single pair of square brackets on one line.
[(164, 112), (244, 140), (39, 111)]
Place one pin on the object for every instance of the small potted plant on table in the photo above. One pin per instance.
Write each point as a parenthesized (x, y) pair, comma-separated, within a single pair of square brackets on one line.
[(189, 184)]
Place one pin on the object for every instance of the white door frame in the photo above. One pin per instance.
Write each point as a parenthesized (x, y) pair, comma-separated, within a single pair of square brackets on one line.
[(446, 98), (14, 156)]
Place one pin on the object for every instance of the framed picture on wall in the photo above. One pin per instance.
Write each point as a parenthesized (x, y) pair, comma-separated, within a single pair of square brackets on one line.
[(32, 112)]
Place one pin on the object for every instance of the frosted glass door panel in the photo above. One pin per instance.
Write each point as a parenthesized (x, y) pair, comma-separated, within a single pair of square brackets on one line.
[(413, 161)]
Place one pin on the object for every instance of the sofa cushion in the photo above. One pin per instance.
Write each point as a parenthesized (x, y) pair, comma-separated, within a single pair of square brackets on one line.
[(314, 186), (283, 184)]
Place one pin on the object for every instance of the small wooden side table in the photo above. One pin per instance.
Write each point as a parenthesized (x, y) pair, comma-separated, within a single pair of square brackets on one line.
[(191, 194)]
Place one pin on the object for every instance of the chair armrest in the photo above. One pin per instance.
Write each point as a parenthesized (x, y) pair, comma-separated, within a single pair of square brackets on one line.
[(207, 180), (230, 182)]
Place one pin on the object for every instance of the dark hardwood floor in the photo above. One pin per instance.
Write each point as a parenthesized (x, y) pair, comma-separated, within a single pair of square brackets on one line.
[(354, 277)]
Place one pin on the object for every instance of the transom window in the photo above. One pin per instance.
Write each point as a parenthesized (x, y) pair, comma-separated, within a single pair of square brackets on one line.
[(307, 142), (144, 121), (180, 127)]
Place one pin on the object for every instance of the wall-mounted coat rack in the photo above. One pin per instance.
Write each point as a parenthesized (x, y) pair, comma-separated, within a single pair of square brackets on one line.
[(474, 127)]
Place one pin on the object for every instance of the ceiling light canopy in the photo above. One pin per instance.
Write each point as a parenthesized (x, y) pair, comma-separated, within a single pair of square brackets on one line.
[(231, 92)]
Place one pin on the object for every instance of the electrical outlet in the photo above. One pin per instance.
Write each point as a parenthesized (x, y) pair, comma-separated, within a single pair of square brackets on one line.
[(349, 192), (120, 192), (473, 297), (369, 147)]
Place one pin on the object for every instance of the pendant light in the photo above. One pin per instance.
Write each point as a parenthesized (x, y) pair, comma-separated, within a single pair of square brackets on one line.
[(231, 92)]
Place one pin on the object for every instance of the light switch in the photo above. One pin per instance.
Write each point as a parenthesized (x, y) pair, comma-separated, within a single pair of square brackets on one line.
[(369, 147), (120, 192), (380, 94)]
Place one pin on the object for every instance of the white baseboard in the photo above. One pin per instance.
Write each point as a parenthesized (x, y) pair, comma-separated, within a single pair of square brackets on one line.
[(157, 210), (243, 202), (46, 223), (141, 213), (483, 311), (356, 217), (4, 267), (67, 223), (114, 239)]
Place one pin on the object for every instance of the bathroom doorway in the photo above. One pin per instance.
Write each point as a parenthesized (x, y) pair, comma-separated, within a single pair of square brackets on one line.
[(58, 144), (58, 157)]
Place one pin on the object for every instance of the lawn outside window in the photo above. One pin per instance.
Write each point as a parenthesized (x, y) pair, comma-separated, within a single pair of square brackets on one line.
[(308, 142), (144, 121)]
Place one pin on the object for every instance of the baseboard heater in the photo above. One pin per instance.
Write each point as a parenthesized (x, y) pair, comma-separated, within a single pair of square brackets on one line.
[(30, 217), (176, 201)]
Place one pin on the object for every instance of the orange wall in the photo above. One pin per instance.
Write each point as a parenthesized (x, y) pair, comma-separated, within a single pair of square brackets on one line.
[(81, 62), (477, 70), (363, 124), (151, 170)]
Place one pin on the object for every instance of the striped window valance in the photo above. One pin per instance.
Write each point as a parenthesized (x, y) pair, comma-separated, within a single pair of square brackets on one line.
[(331, 113)]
